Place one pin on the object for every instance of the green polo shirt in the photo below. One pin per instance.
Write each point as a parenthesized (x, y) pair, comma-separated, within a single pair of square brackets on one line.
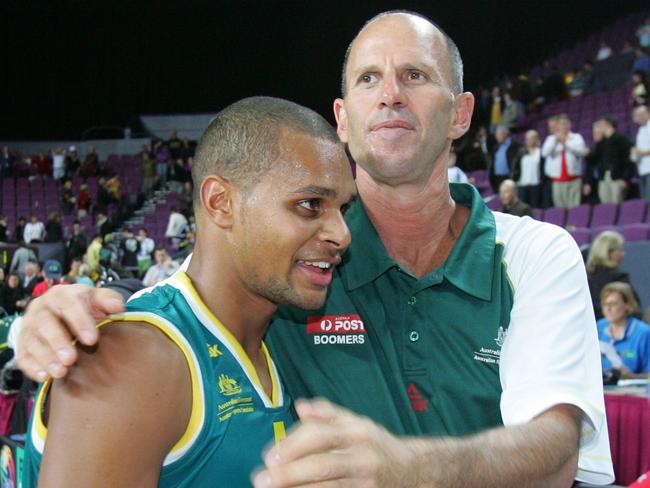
[(419, 356)]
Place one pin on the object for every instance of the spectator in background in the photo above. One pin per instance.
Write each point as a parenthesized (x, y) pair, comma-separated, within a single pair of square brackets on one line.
[(176, 224), (553, 87), (641, 150), (84, 201), (90, 166), (103, 224), (72, 163), (129, 249), (530, 164), (11, 293), (3, 228), (496, 109), (563, 151), (19, 230), (639, 91), (163, 269), (513, 111), (92, 254), (162, 156), (175, 145), (21, 257), (114, 188), (67, 198), (77, 243), (188, 150), (34, 230), (145, 254), (104, 197), (629, 336), (7, 162), (148, 172), (641, 61), (454, 173), (58, 163), (83, 278), (52, 276), (177, 175), (53, 228), (643, 34), (577, 84), (609, 163), (30, 280), (604, 51), (75, 264), (506, 153), (510, 201), (43, 165), (605, 256), (187, 197)]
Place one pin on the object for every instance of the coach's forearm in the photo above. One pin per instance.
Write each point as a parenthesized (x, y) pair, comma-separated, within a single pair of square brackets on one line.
[(542, 453)]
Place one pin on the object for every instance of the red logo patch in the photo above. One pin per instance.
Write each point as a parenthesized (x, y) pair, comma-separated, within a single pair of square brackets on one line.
[(335, 324), (418, 404)]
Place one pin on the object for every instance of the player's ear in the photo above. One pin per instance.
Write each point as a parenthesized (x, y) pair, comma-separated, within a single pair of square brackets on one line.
[(216, 194), (462, 115), (341, 119)]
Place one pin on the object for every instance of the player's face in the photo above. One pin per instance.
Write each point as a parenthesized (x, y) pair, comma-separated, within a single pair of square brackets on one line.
[(397, 112), (290, 232)]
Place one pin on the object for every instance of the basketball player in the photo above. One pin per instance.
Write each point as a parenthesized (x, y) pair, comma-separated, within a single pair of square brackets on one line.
[(182, 390)]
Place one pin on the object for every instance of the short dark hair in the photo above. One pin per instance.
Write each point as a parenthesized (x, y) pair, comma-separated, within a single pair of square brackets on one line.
[(454, 58), (243, 140)]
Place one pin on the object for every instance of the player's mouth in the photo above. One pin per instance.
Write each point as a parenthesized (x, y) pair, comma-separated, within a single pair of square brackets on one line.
[(318, 272)]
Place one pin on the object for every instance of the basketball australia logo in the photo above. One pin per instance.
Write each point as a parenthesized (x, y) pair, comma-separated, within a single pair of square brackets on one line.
[(228, 386)]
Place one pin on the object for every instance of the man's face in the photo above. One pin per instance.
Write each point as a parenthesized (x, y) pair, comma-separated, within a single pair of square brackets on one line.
[(507, 195), (397, 111), (614, 307), (641, 115), (161, 256), (29, 270), (289, 230), (501, 135)]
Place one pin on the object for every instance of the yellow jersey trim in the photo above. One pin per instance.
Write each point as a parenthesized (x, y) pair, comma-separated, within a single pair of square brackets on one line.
[(235, 346), (197, 414)]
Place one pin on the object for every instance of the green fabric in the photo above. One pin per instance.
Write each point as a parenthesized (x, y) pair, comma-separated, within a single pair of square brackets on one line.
[(237, 424), (428, 359)]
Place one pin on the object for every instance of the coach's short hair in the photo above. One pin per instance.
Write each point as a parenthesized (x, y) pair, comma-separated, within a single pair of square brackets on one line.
[(453, 54), (242, 142)]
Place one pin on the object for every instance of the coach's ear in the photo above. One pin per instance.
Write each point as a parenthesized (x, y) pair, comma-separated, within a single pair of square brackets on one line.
[(216, 195)]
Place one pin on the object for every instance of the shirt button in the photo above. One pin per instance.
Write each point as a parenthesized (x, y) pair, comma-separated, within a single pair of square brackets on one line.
[(412, 301), (414, 336)]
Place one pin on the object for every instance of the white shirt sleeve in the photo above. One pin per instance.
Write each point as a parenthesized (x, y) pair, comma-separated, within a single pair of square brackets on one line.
[(551, 355), (576, 144), (547, 147)]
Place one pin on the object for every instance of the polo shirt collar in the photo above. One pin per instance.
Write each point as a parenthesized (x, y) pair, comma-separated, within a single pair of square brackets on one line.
[(470, 264)]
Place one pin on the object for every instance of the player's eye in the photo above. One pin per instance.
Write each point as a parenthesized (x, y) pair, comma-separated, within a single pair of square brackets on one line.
[(368, 78), (313, 204), (416, 75)]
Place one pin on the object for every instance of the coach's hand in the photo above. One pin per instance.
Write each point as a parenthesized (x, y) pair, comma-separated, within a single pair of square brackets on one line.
[(334, 447), (63, 313)]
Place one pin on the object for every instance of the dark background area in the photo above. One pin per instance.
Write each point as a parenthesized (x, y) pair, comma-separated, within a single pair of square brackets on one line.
[(71, 65)]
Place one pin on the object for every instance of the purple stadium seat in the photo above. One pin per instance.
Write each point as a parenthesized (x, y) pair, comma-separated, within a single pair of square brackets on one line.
[(632, 212), (595, 231), (494, 204), (579, 216), (538, 213), (555, 215), (604, 214), (636, 232), (581, 236)]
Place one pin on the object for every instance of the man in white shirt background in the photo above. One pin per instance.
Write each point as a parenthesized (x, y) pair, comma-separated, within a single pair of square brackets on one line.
[(641, 150)]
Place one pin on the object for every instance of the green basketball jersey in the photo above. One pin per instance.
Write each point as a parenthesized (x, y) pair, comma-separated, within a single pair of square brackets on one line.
[(232, 418)]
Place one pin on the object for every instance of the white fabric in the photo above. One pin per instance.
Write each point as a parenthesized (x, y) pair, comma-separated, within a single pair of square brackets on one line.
[(530, 168), (158, 273), (551, 354), (456, 175), (175, 225), (34, 232), (552, 150), (643, 144), (147, 247)]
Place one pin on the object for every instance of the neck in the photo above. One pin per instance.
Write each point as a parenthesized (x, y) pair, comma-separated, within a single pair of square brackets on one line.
[(618, 327), (418, 223), (243, 313)]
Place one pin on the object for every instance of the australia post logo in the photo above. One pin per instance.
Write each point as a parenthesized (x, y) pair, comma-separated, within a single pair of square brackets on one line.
[(336, 329)]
